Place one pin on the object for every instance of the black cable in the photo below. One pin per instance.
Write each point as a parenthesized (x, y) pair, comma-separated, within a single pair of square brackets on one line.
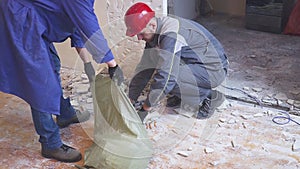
[(247, 94)]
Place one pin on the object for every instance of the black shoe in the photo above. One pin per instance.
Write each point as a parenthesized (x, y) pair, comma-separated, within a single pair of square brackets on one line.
[(210, 104), (173, 101), (64, 153), (78, 118)]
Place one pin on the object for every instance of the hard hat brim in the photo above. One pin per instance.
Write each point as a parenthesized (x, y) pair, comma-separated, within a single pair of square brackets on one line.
[(130, 33)]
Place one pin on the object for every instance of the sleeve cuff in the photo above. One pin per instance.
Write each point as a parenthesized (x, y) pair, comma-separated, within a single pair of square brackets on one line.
[(108, 57)]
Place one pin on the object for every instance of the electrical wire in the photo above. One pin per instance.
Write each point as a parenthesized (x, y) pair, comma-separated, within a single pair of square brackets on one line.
[(276, 119), (285, 117)]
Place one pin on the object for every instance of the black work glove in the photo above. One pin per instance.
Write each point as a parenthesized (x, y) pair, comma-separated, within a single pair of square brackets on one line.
[(89, 71), (116, 74), (137, 104)]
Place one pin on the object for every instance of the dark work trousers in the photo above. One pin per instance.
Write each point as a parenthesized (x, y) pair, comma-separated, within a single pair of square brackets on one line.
[(195, 83), (43, 121)]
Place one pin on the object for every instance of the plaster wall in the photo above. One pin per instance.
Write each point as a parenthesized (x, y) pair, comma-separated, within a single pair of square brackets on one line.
[(110, 16)]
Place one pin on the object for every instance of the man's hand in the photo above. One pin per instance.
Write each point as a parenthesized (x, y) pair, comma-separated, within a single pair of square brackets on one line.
[(116, 73), (89, 70)]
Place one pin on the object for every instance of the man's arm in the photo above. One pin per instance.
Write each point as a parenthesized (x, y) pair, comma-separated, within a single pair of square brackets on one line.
[(166, 75), (83, 17)]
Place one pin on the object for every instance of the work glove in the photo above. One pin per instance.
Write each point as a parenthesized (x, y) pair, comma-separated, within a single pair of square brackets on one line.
[(116, 74), (89, 71), (137, 104)]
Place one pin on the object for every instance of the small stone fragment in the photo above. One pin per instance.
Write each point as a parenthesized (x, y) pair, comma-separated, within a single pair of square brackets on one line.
[(84, 76), (256, 89), (82, 88), (296, 146), (222, 120), (208, 150), (231, 121), (295, 91), (253, 94), (290, 101), (269, 113), (214, 163), (246, 88), (244, 125), (190, 149), (74, 103), (269, 100), (258, 115), (235, 113), (86, 81), (183, 153), (281, 96), (89, 100), (246, 117), (232, 144)]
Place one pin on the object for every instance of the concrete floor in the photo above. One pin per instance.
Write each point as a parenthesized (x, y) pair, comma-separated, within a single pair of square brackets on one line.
[(239, 135)]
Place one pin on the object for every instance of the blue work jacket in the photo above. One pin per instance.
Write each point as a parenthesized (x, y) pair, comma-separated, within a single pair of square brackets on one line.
[(27, 29)]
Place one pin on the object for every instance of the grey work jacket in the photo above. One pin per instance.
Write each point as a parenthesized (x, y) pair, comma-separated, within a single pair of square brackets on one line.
[(177, 41)]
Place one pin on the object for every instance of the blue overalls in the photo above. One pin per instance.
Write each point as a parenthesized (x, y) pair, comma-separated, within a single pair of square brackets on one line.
[(29, 65)]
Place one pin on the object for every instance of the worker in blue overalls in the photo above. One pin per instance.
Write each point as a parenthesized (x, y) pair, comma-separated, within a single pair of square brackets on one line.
[(29, 66)]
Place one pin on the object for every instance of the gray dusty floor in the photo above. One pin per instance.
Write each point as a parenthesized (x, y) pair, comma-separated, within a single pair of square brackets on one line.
[(239, 135)]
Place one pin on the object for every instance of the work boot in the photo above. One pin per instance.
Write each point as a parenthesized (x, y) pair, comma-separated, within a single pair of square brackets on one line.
[(79, 117), (64, 153), (210, 104), (173, 101)]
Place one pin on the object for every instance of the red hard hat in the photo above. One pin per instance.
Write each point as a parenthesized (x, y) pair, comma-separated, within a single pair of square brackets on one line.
[(137, 17)]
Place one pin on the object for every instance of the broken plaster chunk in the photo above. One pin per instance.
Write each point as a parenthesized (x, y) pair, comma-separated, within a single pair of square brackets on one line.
[(269, 113), (246, 117), (244, 125), (84, 76), (246, 88), (82, 88), (74, 103), (258, 115), (208, 150), (222, 120), (232, 144), (89, 100), (290, 101), (85, 81), (257, 89), (253, 94), (269, 100), (235, 113), (190, 149), (296, 146), (281, 96), (295, 91), (231, 121), (214, 163), (297, 105), (183, 153), (252, 56)]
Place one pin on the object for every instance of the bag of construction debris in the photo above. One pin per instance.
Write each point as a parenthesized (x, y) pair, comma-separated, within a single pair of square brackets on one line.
[(120, 138)]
